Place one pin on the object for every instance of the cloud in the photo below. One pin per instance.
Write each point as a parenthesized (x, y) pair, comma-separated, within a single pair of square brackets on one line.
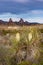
[(22, 1), (19, 1), (40, 0), (35, 19), (7, 16), (30, 17), (37, 12), (19, 6)]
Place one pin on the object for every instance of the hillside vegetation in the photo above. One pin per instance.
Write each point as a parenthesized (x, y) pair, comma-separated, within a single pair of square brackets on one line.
[(21, 47)]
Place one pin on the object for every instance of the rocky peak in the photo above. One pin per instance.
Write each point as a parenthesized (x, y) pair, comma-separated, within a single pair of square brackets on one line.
[(21, 21), (1, 22), (10, 21)]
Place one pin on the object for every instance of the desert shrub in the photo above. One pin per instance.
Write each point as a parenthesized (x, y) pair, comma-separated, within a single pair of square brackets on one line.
[(4, 32), (25, 63), (13, 60), (41, 30), (34, 64), (5, 55)]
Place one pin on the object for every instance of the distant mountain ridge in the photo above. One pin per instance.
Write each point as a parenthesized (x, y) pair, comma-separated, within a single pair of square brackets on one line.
[(21, 22)]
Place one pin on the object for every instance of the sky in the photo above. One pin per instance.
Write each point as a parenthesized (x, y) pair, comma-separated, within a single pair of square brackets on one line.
[(29, 10)]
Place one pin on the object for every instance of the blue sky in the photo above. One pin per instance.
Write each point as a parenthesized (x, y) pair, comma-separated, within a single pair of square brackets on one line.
[(30, 10)]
